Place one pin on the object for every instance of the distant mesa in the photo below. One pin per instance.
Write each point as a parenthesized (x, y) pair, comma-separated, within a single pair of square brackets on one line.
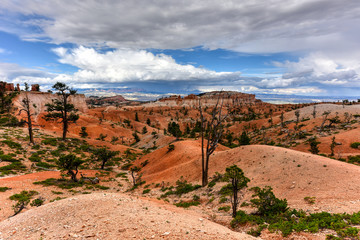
[(210, 98), (106, 101)]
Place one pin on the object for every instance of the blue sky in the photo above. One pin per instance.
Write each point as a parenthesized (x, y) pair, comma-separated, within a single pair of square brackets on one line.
[(308, 47)]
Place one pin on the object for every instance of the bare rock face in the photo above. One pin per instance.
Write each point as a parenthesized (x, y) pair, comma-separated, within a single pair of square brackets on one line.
[(42, 98)]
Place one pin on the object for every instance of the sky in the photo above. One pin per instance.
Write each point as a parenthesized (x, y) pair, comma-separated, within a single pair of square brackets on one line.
[(144, 49)]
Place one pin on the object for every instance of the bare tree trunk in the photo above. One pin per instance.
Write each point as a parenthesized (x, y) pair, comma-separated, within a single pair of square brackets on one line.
[(235, 197), (214, 132), (65, 129), (31, 136), (73, 175)]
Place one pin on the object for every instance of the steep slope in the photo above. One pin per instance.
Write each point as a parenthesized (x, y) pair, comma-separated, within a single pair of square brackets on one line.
[(112, 216), (293, 175)]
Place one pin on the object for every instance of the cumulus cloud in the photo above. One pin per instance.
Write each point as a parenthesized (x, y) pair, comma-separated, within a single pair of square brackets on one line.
[(246, 26), (127, 65), (318, 68)]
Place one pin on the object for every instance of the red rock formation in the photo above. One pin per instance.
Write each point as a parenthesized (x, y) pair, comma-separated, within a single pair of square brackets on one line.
[(35, 87), (4, 86), (17, 87), (191, 97)]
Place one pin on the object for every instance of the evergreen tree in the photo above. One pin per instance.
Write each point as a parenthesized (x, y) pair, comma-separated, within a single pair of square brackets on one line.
[(60, 108), (244, 139), (314, 149), (174, 129), (238, 181), (103, 155), (70, 163), (83, 132)]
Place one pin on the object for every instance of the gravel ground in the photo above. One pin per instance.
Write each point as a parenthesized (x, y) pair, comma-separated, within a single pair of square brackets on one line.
[(112, 216)]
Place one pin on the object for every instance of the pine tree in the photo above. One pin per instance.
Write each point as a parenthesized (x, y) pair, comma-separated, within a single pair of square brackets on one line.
[(60, 108)]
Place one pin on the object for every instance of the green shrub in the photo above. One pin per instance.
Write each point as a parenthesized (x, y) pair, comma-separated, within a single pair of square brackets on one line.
[(35, 157), (4, 189), (354, 159), (187, 204), (101, 187), (355, 145), (146, 191), (171, 147), (12, 144), (56, 192), (182, 187), (36, 147), (223, 199), (225, 208), (57, 199), (50, 141), (61, 183), (126, 166), (256, 232), (310, 200), (14, 166), (24, 195), (37, 202), (45, 165), (266, 202), (7, 158)]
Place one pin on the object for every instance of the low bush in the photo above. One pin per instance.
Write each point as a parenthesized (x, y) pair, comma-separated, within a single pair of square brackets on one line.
[(146, 191), (4, 189), (187, 204), (50, 141), (37, 202), (61, 183), (12, 144), (354, 159), (225, 208), (355, 145)]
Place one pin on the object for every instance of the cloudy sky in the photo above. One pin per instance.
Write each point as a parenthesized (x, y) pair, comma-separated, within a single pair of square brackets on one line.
[(295, 47)]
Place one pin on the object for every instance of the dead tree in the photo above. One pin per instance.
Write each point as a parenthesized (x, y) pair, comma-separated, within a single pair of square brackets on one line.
[(214, 131), (297, 115), (26, 107), (325, 116), (134, 174), (282, 120), (90, 180), (314, 112)]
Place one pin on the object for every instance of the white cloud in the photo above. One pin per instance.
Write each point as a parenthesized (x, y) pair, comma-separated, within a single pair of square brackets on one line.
[(12, 72), (247, 26), (126, 65), (318, 68)]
